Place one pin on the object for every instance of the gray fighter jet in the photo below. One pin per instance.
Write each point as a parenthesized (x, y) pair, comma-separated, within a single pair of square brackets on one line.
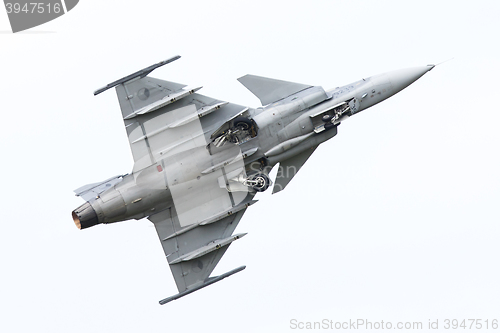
[(199, 161)]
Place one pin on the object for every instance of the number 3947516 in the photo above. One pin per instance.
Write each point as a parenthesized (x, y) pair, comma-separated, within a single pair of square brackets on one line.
[(33, 8)]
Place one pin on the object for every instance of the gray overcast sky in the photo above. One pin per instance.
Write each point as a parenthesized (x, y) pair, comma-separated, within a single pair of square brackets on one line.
[(394, 219)]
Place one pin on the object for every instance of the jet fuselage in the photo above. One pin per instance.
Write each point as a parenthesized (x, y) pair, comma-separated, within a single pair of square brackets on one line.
[(285, 128)]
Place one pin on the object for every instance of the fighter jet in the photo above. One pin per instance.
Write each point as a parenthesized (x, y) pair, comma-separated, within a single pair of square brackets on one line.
[(199, 161)]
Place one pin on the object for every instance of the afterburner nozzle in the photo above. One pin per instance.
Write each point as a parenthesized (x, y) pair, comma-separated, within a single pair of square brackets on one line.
[(85, 216)]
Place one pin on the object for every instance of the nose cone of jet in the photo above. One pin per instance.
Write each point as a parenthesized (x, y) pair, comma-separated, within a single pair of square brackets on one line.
[(402, 78)]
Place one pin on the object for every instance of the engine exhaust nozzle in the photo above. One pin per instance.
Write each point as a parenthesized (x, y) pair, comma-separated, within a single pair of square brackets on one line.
[(85, 216)]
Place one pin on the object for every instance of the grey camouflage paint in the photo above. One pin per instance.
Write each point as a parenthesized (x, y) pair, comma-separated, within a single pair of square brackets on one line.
[(195, 157)]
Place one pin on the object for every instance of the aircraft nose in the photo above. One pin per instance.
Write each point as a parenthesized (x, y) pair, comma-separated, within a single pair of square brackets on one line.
[(402, 78)]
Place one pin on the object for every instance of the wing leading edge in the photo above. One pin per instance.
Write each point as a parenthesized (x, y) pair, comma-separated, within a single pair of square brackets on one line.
[(289, 168)]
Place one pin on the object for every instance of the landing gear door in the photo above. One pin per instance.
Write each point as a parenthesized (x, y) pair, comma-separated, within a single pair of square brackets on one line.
[(237, 130), (227, 125), (354, 105)]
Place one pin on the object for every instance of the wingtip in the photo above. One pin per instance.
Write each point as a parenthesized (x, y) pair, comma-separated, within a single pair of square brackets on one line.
[(166, 61)]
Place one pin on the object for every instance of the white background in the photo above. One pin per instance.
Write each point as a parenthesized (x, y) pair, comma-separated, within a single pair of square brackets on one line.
[(394, 219)]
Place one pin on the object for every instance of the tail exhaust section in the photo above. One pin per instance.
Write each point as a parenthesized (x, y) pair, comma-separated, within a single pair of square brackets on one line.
[(85, 216)]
